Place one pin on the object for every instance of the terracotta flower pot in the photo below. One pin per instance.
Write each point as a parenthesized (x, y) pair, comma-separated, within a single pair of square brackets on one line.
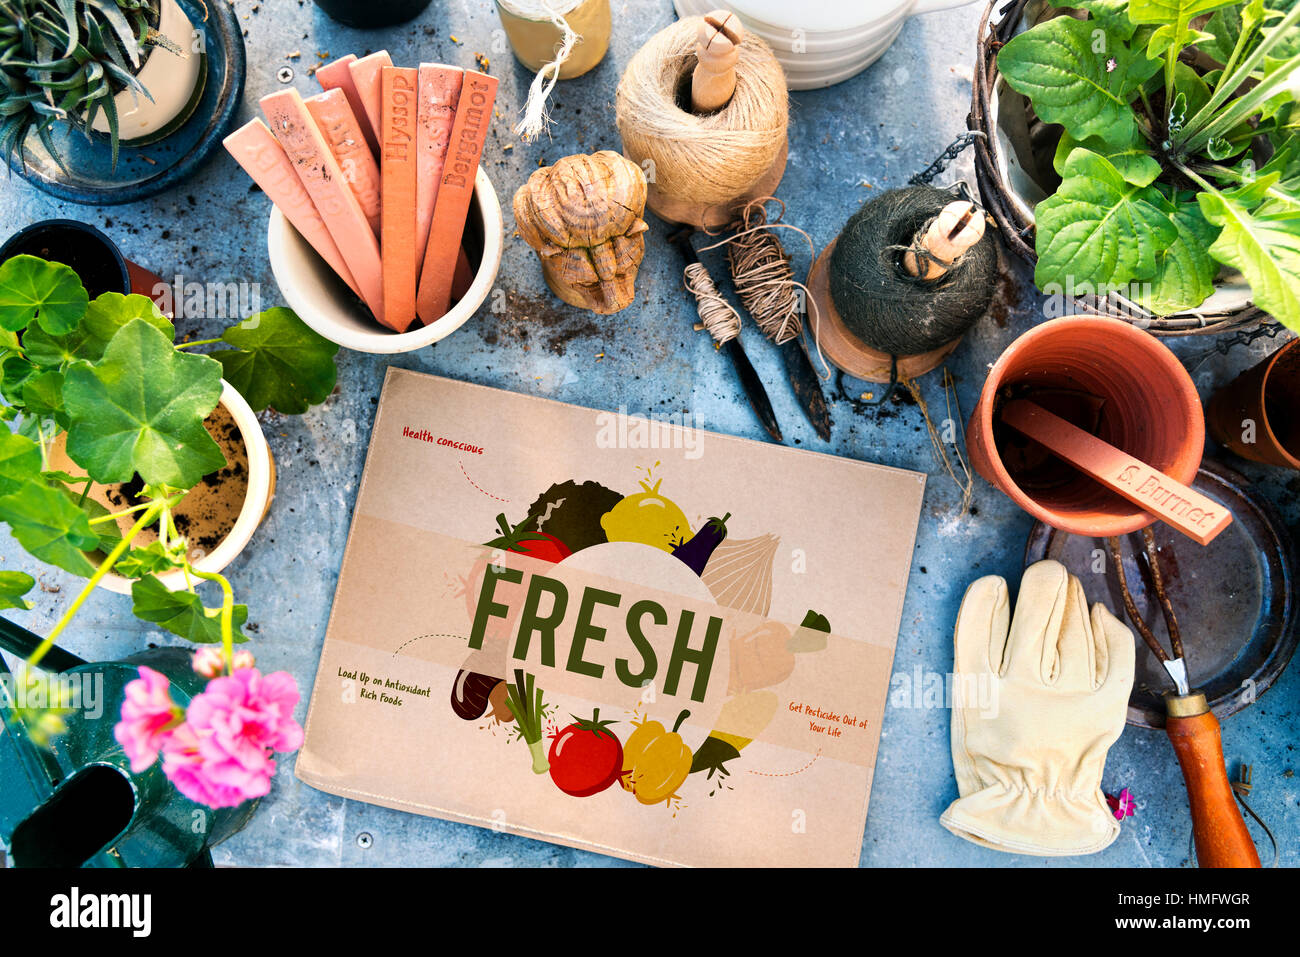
[(1109, 378), (1257, 415)]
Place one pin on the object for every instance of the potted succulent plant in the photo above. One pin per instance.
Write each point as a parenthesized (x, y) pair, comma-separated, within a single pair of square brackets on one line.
[(1145, 155), (103, 382), (81, 79)]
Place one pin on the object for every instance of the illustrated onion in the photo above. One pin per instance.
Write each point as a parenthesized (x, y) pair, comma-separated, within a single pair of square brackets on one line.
[(739, 573)]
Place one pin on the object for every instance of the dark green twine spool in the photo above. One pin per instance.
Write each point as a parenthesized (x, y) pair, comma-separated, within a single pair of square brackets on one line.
[(885, 306)]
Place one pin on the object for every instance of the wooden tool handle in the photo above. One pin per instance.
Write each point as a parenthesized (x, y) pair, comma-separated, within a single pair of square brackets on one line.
[(958, 227), (717, 52), (1153, 491), (1221, 836)]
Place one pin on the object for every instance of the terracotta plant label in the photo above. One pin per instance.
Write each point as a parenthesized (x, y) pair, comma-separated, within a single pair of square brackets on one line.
[(1165, 498), (468, 133), (319, 171), (367, 77), (614, 633), (338, 124), (264, 159), (439, 94), (337, 75), (398, 155)]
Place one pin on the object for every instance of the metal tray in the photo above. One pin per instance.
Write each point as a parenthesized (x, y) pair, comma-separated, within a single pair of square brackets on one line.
[(1235, 598)]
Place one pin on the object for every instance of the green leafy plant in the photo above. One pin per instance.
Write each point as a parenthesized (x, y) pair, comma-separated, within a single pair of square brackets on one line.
[(65, 61), (1180, 153), (132, 403)]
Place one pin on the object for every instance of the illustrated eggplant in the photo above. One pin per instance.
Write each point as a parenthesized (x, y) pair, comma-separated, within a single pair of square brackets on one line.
[(470, 694), (696, 552)]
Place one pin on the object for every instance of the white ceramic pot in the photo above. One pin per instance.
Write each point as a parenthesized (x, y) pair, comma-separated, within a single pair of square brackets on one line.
[(171, 78), (822, 42), (261, 489), (326, 304)]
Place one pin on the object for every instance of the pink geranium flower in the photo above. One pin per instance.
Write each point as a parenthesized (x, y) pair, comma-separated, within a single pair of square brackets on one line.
[(148, 715), (221, 756)]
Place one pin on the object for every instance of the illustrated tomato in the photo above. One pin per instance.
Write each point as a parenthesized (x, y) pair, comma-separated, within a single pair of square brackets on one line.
[(586, 757), (519, 539)]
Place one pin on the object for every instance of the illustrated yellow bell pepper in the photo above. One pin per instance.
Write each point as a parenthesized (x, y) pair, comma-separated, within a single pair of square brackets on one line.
[(655, 761)]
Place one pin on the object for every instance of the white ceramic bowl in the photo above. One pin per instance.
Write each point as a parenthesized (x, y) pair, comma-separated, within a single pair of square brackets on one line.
[(325, 303), (261, 489), (822, 42)]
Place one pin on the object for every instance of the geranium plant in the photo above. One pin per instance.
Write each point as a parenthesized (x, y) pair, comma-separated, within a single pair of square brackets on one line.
[(132, 402), (1180, 152)]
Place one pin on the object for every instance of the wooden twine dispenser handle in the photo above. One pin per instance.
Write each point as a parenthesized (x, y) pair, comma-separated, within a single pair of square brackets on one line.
[(1222, 839), (717, 52), (957, 228)]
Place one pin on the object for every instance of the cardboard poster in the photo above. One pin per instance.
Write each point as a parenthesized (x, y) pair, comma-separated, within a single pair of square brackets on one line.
[(611, 632)]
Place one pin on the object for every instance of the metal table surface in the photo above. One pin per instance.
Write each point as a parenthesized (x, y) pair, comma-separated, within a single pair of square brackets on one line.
[(846, 143)]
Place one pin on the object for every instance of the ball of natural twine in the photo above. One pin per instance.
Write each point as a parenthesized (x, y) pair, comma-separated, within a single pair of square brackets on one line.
[(706, 159)]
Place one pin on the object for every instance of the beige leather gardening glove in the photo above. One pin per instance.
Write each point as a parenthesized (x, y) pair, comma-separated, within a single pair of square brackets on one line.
[(1034, 711)]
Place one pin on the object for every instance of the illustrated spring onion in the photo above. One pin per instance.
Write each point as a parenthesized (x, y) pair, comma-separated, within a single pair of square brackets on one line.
[(526, 702)]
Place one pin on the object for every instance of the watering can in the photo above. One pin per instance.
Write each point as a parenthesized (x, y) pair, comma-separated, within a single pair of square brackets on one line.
[(76, 802)]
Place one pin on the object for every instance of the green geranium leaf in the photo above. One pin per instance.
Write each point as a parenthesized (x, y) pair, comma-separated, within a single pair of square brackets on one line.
[(14, 371), (13, 586), (1185, 271), (50, 293), (108, 533), (1265, 247), (152, 559), (280, 363), (182, 613), (1099, 232), (43, 396), (140, 410), (50, 527), (106, 314), (1073, 77), (1132, 160), (20, 462)]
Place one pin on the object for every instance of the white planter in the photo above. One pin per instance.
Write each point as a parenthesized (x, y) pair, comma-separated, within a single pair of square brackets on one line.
[(821, 42), (261, 489), (324, 302), (171, 79)]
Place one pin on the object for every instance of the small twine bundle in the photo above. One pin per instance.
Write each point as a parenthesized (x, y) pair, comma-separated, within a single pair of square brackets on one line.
[(764, 279), (707, 160)]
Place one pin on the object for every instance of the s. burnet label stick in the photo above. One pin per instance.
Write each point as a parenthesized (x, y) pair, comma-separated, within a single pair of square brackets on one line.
[(336, 75), (455, 190), (337, 123), (365, 75), (319, 171), (263, 158), (397, 150), (438, 96)]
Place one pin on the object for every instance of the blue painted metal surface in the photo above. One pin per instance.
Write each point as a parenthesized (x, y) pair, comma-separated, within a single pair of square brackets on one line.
[(847, 143)]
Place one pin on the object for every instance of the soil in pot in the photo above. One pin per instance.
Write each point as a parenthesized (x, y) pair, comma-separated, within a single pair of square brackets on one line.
[(88, 252), (209, 510), (1031, 465)]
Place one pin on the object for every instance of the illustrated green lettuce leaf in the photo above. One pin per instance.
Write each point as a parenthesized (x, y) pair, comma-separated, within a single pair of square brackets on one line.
[(279, 362), (1132, 159), (182, 612), (1265, 247), (1076, 78), (1098, 232), (13, 586), (105, 315), (50, 293), (49, 526), (140, 410), (1185, 270), (20, 462)]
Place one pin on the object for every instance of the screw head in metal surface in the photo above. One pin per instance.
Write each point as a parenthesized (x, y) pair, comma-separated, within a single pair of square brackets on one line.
[(284, 74), (364, 840)]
